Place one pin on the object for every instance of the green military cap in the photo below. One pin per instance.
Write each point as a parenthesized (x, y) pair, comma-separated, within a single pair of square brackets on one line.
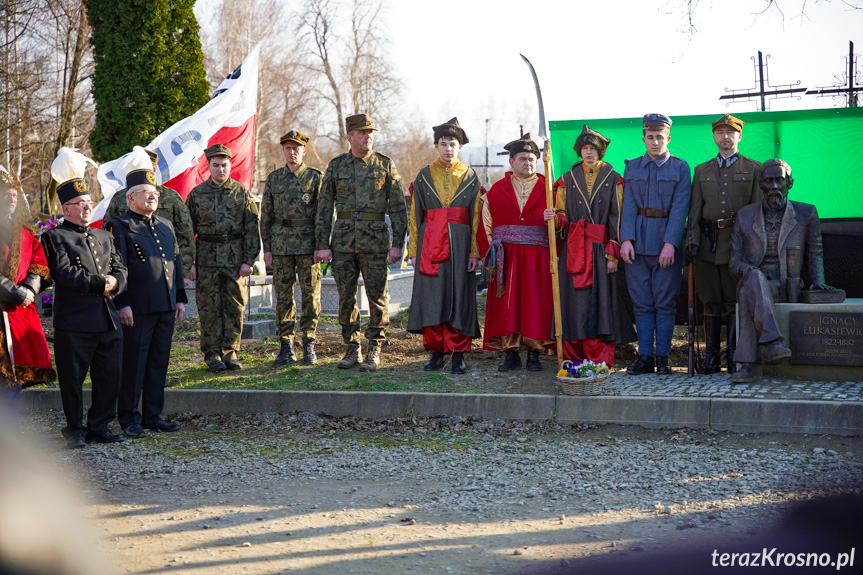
[(218, 150), (294, 136), (359, 122), (730, 121)]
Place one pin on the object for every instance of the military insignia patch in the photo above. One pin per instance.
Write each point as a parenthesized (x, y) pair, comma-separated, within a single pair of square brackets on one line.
[(151, 178), (307, 197), (80, 186)]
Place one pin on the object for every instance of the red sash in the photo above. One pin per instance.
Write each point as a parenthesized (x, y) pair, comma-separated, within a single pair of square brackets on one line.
[(436, 237), (579, 251)]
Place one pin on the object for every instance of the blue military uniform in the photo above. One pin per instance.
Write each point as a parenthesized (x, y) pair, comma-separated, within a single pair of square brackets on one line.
[(655, 205), (149, 247), (86, 326)]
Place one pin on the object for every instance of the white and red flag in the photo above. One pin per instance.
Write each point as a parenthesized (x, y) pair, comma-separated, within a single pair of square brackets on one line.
[(228, 118)]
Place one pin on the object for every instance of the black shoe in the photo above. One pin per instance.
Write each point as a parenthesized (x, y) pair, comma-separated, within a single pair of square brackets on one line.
[(104, 436), (233, 365), (75, 441), (644, 364), (162, 425), (134, 431), (511, 362), (533, 360), (286, 354), (458, 365), (309, 355), (218, 365), (435, 362), (662, 365)]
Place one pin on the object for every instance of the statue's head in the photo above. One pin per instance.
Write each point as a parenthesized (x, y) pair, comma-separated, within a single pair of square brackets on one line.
[(775, 182)]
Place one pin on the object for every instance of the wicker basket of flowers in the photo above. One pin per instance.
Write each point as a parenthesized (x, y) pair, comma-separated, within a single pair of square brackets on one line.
[(585, 378)]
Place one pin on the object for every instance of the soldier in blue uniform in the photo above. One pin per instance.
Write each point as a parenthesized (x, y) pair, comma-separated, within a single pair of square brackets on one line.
[(88, 273), (656, 197), (154, 300)]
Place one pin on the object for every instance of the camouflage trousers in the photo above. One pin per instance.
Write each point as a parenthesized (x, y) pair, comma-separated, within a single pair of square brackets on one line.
[(286, 269), (221, 296), (347, 268)]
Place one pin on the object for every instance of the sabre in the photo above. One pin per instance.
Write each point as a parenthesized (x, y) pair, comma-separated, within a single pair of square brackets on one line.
[(549, 203)]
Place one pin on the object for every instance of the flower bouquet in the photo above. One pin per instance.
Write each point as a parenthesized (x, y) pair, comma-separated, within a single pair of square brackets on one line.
[(585, 378), (43, 226)]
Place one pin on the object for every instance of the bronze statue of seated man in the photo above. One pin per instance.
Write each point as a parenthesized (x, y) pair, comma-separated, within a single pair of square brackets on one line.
[(776, 251)]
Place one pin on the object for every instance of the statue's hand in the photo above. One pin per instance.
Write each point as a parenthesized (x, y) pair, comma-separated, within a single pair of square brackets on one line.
[(821, 287)]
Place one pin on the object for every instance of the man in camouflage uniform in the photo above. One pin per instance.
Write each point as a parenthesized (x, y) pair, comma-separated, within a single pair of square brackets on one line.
[(288, 213), (225, 219), (172, 208), (364, 186)]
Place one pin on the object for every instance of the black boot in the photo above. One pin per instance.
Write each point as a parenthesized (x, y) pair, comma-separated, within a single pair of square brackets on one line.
[(662, 365), (731, 329), (644, 364), (458, 365), (435, 362), (712, 334), (511, 362), (286, 354), (533, 360), (309, 355)]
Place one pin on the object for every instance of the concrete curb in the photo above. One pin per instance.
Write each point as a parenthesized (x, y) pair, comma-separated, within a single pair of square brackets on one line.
[(721, 414)]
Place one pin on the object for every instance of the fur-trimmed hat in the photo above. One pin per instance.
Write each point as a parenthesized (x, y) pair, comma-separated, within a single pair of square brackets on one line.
[(523, 144), (452, 129), (593, 138)]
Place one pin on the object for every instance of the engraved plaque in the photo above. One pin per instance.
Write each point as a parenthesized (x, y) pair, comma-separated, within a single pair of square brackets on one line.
[(826, 338)]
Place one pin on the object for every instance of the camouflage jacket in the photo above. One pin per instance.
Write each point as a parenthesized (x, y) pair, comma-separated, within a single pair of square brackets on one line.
[(225, 219), (366, 187), (288, 210), (172, 208)]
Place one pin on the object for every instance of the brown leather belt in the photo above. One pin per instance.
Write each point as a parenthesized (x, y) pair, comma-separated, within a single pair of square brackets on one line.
[(298, 222), (364, 216), (220, 238), (653, 213), (726, 223)]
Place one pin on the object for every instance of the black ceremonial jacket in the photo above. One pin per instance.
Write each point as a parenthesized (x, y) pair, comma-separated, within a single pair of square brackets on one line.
[(149, 247), (79, 259)]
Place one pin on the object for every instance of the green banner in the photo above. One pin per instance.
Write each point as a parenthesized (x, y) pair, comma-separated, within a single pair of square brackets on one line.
[(823, 147)]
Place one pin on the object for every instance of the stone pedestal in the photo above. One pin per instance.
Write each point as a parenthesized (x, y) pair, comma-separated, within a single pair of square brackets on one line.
[(826, 341)]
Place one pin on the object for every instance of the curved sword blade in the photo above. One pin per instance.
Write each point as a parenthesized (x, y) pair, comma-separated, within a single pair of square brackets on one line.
[(543, 133)]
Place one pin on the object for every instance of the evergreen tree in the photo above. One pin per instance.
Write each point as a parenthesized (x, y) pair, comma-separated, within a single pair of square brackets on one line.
[(149, 71)]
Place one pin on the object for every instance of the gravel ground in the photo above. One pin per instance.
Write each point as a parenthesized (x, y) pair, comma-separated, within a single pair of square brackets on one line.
[(276, 493)]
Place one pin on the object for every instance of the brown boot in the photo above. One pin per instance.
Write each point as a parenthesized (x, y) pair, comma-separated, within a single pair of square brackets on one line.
[(373, 358), (775, 352), (353, 356), (747, 373)]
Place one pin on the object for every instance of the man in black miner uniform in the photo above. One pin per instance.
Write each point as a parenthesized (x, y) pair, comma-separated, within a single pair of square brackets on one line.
[(154, 300), (88, 273)]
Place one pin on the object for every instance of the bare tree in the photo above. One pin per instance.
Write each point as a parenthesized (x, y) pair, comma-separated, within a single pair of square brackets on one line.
[(355, 74)]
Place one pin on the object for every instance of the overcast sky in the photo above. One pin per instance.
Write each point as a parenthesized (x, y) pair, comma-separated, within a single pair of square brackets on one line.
[(610, 59), (605, 59)]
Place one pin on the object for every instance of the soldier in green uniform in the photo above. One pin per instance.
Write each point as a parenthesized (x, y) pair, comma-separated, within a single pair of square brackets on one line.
[(364, 186), (720, 187), (225, 219), (172, 208), (288, 212)]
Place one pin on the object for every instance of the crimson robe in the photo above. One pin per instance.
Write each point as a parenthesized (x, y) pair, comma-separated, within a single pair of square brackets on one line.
[(526, 306), (32, 359)]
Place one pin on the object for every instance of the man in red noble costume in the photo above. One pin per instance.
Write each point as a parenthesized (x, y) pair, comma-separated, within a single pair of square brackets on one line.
[(23, 274), (519, 308)]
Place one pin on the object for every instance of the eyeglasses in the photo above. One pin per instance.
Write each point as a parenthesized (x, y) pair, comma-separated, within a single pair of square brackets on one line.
[(145, 192), (82, 204)]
